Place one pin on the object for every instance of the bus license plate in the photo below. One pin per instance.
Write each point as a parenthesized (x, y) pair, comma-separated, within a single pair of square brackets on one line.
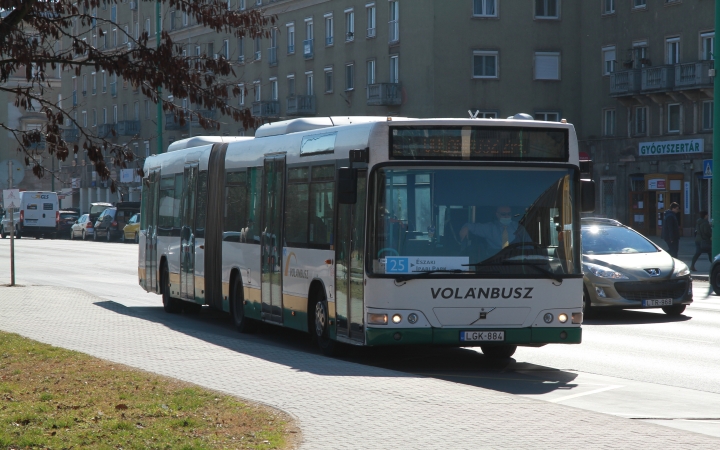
[(658, 302), (482, 336)]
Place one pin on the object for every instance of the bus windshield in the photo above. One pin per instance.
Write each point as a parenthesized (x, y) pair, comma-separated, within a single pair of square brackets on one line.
[(482, 221)]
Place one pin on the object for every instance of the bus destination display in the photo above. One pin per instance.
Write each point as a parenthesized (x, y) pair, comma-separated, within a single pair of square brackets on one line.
[(479, 143)]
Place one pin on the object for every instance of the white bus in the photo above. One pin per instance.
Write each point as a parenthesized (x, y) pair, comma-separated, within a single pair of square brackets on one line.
[(375, 231)]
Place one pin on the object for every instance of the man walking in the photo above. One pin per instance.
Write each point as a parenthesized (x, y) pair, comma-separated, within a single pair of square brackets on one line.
[(671, 229), (703, 239)]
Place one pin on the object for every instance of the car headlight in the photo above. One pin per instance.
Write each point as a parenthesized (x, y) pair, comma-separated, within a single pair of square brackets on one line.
[(681, 269), (603, 272)]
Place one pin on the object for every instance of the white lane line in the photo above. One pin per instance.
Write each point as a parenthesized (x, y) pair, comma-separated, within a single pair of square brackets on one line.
[(582, 394), (672, 338)]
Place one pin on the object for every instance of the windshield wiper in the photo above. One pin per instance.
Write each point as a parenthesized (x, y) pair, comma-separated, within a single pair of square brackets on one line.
[(535, 266), (414, 275)]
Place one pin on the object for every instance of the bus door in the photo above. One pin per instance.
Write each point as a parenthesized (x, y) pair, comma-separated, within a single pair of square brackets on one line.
[(349, 265), (187, 233), (272, 239), (151, 278)]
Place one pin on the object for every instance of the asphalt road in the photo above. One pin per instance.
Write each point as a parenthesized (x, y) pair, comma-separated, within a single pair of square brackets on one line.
[(638, 364)]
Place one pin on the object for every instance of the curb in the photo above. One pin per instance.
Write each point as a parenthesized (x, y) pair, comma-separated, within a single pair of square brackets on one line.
[(700, 277)]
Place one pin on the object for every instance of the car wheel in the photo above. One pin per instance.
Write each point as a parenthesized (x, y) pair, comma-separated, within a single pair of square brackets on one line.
[(84, 236), (587, 303), (122, 238), (674, 310), (715, 279), (18, 234), (72, 235), (108, 236), (502, 351), (137, 238), (170, 304), (322, 329), (95, 236), (242, 323)]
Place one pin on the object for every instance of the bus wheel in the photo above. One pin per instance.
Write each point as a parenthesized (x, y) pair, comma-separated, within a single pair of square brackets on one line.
[(242, 323), (171, 305), (322, 330), (503, 351)]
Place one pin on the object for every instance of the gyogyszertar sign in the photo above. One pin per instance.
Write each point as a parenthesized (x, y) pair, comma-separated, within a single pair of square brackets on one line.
[(671, 147)]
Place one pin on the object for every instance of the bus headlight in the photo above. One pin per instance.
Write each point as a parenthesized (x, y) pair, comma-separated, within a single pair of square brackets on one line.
[(548, 317), (377, 319), (412, 318), (562, 317), (397, 318)]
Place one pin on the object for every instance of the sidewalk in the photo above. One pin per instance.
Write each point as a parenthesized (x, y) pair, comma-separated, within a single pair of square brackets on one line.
[(338, 404), (685, 254)]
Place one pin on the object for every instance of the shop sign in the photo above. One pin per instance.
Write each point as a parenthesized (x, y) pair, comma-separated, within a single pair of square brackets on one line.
[(656, 184), (671, 147)]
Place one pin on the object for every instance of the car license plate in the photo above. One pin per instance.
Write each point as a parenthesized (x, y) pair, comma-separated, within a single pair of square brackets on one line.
[(658, 302), (482, 335)]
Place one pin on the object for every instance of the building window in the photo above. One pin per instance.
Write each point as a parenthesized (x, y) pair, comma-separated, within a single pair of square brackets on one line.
[(257, 92), (83, 115), (242, 5), (707, 115), (609, 122), (608, 60), (136, 110), (672, 54), (328, 80), (257, 48), (225, 51), (548, 116), (485, 64), (241, 95), (640, 52), (273, 89), (637, 4), (371, 71), (394, 21), (485, 8), (94, 117), (487, 114), (147, 109), (370, 12), (349, 77), (349, 25), (608, 6), (329, 33), (707, 46), (641, 120), (290, 38), (547, 66), (394, 69), (291, 85), (673, 119), (94, 83), (241, 50), (309, 90), (547, 9), (104, 81)]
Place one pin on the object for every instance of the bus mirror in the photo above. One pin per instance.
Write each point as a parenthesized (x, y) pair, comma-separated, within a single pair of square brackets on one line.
[(347, 185), (587, 196)]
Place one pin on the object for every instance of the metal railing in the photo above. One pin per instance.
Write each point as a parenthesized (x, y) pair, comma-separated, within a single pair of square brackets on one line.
[(174, 124), (204, 113), (270, 109), (693, 75), (128, 127), (659, 78), (71, 135), (301, 105), (384, 94), (625, 83), (105, 131), (308, 50)]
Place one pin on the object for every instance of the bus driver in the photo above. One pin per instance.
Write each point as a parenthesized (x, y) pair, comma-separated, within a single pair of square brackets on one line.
[(499, 233)]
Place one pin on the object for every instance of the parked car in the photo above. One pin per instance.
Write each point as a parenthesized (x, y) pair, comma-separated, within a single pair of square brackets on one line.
[(82, 228), (110, 222), (715, 274), (39, 214), (96, 209), (5, 227), (623, 269), (131, 232), (65, 222)]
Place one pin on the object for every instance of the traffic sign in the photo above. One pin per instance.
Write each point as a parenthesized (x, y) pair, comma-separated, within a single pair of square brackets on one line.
[(707, 169), (11, 198)]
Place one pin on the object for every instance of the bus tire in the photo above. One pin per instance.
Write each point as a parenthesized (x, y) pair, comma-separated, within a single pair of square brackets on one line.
[(241, 322), (502, 351), (170, 305), (321, 330)]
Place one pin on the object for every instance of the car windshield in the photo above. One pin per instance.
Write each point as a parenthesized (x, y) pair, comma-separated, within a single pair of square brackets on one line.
[(97, 209), (478, 220), (68, 216), (608, 240)]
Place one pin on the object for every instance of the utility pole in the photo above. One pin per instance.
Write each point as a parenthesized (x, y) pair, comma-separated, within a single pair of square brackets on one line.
[(716, 150), (158, 26)]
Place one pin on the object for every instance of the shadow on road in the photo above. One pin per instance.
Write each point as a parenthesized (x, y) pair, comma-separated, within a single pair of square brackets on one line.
[(459, 365), (632, 317)]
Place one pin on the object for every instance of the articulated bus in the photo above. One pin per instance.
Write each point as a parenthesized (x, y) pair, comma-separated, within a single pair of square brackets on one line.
[(375, 231)]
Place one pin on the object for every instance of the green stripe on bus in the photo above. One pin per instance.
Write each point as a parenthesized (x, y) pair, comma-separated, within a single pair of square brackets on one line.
[(445, 336)]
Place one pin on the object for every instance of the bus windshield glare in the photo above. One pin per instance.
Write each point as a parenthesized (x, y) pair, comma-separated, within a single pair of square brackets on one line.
[(482, 221)]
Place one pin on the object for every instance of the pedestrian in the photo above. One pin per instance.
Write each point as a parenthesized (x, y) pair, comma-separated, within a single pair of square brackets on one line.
[(671, 229), (703, 239)]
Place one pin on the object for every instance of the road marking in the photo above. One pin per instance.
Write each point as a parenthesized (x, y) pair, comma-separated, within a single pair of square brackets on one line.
[(676, 338), (582, 394)]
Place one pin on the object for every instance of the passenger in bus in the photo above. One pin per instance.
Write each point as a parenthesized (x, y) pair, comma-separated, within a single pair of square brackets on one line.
[(500, 232)]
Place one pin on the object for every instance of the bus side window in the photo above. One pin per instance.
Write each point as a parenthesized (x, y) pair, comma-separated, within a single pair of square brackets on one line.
[(177, 219), (201, 205), (296, 206), (254, 189), (166, 206), (322, 205), (235, 205)]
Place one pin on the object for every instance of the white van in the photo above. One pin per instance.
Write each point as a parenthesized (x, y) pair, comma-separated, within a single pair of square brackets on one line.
[(39, 214)]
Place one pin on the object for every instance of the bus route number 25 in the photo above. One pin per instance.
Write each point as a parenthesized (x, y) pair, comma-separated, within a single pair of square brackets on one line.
[(397, 265)]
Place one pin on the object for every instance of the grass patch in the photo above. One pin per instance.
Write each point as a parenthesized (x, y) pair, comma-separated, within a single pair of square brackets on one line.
[(55, 398)]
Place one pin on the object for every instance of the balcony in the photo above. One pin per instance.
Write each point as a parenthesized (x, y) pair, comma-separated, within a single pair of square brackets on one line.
[(205, 113), (384, 94), (301, 105), (128, 127), (105, 131), (625, 83), (272, 56), (71, 135), (308, 50), (693, 75), (266, 109), (173, 124), (657, 79)]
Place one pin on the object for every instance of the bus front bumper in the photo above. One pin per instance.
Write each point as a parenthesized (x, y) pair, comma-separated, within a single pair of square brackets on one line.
[(531, 336)]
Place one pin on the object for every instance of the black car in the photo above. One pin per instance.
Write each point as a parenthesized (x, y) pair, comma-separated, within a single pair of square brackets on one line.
[(96, 209), (110, 223), (65, 222)]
